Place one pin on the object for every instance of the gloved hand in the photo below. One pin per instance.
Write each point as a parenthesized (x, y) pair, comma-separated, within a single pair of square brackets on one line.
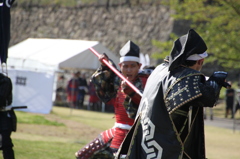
[(126, 89), (220, 78), (103, 57)]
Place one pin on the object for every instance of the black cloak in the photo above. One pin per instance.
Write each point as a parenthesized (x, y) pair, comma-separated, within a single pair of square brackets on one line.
[(171, 90)]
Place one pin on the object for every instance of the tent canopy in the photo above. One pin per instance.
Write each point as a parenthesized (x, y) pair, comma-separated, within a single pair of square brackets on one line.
[(55, 54)]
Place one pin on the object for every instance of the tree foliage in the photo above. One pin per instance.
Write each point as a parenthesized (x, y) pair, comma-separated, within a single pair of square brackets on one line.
[(218, 23), (165, 47)]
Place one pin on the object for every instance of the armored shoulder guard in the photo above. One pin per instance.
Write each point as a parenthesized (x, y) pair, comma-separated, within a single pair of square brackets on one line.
[(182, 91)]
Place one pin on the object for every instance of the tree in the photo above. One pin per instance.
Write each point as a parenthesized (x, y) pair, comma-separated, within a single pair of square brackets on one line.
[(217, 21)]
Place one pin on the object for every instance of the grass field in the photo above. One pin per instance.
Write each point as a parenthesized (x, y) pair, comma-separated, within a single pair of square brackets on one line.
[(60, 134), (57, 135)]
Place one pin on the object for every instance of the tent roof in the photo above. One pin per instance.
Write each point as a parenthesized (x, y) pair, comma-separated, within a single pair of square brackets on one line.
[(54, 54)]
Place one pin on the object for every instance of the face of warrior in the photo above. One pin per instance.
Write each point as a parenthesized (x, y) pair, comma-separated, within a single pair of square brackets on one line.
[(130, 69)]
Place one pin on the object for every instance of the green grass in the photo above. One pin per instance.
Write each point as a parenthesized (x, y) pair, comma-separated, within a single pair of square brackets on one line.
[(61, 141), (36, 137), (28, 118), (94, 119), (25, 149)]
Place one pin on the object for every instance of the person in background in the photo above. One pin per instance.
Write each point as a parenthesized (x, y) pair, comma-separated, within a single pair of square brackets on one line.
[(60, 92), (237, 107), (94, 102), (109, 87), (169, 123), (72, 91), (147, 70), (82, 89), (230, 98)]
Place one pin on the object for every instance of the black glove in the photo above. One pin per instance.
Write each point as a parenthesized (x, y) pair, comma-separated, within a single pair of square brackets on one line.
[(220, 78)]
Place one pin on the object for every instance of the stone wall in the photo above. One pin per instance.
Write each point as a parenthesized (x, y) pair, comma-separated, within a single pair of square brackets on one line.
[(112, 27)]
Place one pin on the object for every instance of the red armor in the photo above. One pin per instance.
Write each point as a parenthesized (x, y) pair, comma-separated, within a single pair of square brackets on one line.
[(120, 112), (90, 149), (116, 135)]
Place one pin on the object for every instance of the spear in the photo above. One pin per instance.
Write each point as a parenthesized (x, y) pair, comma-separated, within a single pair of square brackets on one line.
[(116, 72)]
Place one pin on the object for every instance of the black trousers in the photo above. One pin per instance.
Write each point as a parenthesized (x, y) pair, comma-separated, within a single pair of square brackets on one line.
[(7, 145), (6, 128)]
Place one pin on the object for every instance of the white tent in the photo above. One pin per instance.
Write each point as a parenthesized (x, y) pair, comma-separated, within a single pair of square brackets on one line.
[(55, 54), (34, 61), (33, 89)]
